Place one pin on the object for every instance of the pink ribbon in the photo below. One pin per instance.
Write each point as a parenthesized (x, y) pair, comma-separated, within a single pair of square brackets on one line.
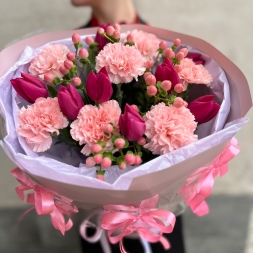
[(147, 221), (200, 184), (45, 201)]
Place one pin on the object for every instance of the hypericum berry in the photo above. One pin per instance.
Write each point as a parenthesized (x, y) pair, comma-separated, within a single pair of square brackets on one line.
[(106, 163), (163, 45), (120, 143), (177, 42), (150, 80), (101, 30), (90, 162), (147, 74), (180, 56), (63, 70), (49, 78), (100, 177), (83, 53), (130, 38), (168, 53), (129, 159), (76, 81), (151, 90), (178, 102), (184, 51), (149, 64), (116, 34), (68, 64), (178, 88), (122, 166), (108, 128), (141, 141), (76, 38), (166, 85), (117, 27), (89, 40), (110, 30), (98, 158), (135, 107), (137, 160), (71, 56), (96, 148)]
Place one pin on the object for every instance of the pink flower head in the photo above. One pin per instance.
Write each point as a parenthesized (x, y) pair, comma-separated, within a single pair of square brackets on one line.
[(89, 126), (192, 73), (169, 128), (39, 121), (123, 63), (146, 43), (49, 60)]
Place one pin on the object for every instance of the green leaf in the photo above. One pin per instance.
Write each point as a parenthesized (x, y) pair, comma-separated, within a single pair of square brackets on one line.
[(126, 144), (115, 137), (92, 60), (129, 152), (163, 93), (56, 81), (52, 91), (139, 154), (159, 84), (120, 160)]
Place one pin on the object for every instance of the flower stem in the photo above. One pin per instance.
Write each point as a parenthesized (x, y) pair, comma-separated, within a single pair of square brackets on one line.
[(119, 94)]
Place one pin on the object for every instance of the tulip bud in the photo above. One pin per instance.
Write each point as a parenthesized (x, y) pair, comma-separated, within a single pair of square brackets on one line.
[(70, 101), (99, 87), (166, 71), (100, 39), (204, 109), (29, 87), (131, 124)]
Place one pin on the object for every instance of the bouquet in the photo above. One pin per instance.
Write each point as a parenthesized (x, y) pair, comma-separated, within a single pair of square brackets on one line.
[(124, 119)]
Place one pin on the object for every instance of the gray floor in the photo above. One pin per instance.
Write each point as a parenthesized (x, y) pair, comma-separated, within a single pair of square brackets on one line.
[(218, 232), (226, 24)]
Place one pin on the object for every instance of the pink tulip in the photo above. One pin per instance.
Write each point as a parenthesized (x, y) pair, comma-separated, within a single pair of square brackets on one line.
[(166, 71), (29, 87), (203, 108), (131, 124), (70, 101), (99, 87)]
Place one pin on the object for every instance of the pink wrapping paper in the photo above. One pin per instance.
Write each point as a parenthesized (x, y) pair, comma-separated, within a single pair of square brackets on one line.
[(164, 175)]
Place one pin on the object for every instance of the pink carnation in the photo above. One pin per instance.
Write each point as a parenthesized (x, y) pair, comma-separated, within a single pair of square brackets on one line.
[(49, 60), (123, 63), (169, 128), (146, 43), (39, 121), (189, 72), (90, 122)]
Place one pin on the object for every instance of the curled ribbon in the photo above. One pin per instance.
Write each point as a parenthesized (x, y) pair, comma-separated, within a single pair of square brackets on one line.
[(200, 184), (45, 201), (147, 221)]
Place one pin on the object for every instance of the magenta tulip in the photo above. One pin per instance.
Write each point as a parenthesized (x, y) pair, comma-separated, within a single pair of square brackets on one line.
[(29, 87), (196, 57), (165, 72), (100, 39), (203, 108), (70, 101), (99, 87), (131, 124)]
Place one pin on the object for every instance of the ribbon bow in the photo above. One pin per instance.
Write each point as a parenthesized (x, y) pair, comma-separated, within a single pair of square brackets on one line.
[(147, 221), (200, 184), (45, 201)]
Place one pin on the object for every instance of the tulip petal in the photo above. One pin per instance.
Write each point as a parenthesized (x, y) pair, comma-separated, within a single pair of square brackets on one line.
[(91, 86), (136, 130), (33, 80), (105, 90), (19, 90), (122, 125)]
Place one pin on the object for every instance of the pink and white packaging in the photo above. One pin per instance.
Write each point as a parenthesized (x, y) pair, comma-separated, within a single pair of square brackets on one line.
[(164, 175)]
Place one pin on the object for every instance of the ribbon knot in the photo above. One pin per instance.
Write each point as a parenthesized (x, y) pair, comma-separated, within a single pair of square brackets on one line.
[(200, 183), (45, 201), (148, 222)]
